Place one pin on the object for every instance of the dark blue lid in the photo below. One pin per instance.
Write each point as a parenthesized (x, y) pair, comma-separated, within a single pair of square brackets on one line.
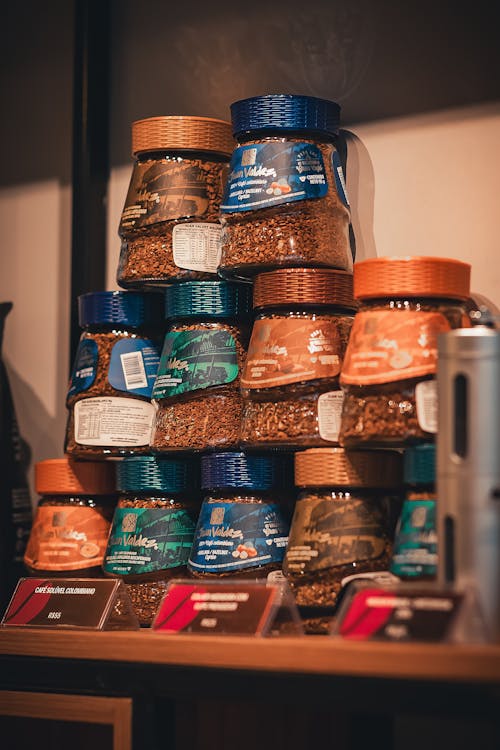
[(420, 464), (240, 470), (285, 112), (122, 308), (208, 299), (154, 474)]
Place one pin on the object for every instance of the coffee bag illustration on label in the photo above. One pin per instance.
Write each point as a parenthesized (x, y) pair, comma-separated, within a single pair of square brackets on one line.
[(327, 533), (85, 367), (65, 538), (195, 359), (133, 366), (234, 536), (290, 350), (269, 174), (391, 345), (145, 540), (165, 189)]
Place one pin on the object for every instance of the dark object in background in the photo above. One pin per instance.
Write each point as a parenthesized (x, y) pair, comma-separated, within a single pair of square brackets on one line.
[(15, 503)]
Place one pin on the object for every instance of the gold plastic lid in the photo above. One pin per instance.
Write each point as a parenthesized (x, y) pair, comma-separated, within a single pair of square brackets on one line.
[(182, 134), (306, 286), (336, 467)]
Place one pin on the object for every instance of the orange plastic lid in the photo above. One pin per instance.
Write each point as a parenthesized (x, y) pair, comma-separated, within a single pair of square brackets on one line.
[(310, 286), (182, 133), (63, 476), (413, 276), (336, 467)]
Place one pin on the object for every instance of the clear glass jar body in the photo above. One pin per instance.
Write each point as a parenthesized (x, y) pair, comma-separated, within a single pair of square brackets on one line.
[(303, 407), (170, 226), (396, 402), (149, 543), (415, 547), (255, 523), (108, 415), (337, 532), (69, 535), (311, 231), (208, 415)]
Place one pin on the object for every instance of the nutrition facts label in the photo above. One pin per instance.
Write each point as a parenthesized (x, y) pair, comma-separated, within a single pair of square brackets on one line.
[(329, 415), (113, 421), (197, 246)]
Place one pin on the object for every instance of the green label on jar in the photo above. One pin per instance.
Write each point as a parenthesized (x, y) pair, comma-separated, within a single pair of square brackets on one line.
[(326, 533), (144, 540), (195, 359), (415, 549)]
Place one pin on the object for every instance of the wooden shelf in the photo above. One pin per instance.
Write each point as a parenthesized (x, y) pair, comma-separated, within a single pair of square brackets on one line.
[(309, 655)]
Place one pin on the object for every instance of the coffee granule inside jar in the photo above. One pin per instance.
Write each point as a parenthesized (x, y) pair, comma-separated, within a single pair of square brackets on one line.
[(147, 253), (205, 417), (310, 232)]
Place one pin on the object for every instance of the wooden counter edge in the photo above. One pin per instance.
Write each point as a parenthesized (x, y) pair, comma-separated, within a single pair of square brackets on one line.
[(308, 655)]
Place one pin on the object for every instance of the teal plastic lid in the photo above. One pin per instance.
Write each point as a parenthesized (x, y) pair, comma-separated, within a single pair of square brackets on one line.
[(420, 464)]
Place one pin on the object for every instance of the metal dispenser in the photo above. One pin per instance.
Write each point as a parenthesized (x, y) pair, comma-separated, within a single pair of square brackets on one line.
[(468, 462)]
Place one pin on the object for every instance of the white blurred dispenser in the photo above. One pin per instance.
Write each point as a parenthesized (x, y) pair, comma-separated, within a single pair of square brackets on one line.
[(468, 467)]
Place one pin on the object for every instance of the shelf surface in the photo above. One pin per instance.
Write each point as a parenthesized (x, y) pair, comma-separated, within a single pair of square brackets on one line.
[(308, 655)]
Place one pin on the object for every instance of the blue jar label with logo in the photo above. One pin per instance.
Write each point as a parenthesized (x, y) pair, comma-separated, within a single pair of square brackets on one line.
[(415, 548), (133, 366), (144, 540), (268, 174), (235, 536), (195, 359), (85, 367)]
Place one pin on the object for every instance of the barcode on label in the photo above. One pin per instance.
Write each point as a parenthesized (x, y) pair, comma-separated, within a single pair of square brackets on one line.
[(133, 370)]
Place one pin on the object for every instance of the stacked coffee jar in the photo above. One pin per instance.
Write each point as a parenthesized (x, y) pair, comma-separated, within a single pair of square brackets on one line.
[(275, 218)]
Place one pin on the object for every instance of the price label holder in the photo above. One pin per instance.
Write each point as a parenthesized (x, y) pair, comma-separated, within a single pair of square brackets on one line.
[(83, 603), (237, 607), (397, 612)]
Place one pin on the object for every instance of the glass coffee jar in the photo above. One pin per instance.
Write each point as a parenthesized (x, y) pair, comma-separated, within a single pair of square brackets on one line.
[(389, 368), (290, 383), (243, 525), (415, 547), (109, 395), (285, 201), (73, 517), (343, 522), (197, 391), (170, 226), (153, 528)]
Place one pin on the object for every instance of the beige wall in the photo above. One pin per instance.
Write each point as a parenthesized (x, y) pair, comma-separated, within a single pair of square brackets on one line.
[(425, 185)]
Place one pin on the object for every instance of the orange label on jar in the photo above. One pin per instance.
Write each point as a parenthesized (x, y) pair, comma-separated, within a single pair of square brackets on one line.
[(390, 345), (64, 537), (290, 350)]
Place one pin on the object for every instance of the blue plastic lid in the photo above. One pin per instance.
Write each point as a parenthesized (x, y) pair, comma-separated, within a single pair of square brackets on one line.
[(240, 470), (208, 299), (154, 474), (285, 112), (123, 308), (420, 464)]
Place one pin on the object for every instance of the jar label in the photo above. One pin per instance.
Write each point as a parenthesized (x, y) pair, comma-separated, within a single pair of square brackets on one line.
[(197, 246), (113, 421), (85, 367), (67, 537), (164, 190), (415, 549), (329, 415), (339, 179), (268, 174), (291, 350), (133, 366), (234, 536), (391, 345), (192, 360), (426, 400), (144, 540), (326, 533)]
